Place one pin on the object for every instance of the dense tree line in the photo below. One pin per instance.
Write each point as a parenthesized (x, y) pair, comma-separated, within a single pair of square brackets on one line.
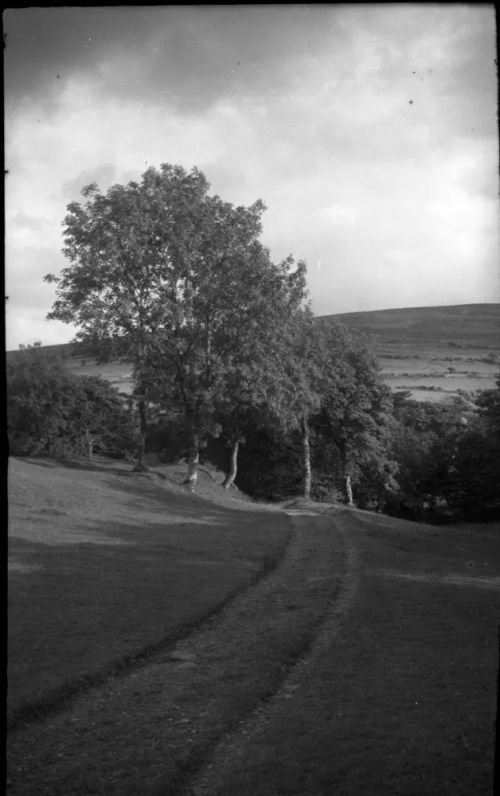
[(227, 353)]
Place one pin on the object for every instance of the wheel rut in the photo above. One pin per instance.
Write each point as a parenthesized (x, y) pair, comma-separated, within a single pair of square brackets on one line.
[(158, 728), (230, 752)]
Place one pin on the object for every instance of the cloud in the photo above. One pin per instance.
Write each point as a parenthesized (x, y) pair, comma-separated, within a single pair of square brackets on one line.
[(307, 108), (30, 298), (104, 174), (339, 214), (189, 57)]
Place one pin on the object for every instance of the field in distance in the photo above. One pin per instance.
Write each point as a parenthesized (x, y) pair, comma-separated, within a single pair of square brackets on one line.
[(433, 352)]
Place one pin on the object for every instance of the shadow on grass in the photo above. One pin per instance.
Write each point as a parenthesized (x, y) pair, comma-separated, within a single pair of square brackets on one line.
[(80, 464), (147, 495), (149, 483), (58, 697), (80, 613)]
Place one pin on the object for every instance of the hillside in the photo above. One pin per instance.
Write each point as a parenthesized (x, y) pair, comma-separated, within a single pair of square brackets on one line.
[(164, 643), (117, 372), (434, 352), (467, 325)]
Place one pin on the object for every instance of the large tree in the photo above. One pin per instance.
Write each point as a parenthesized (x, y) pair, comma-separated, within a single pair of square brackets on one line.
[(257, 372), (180, 280), (127, 250), (294, 384), (131, 255), (324, 390), (213, 358)]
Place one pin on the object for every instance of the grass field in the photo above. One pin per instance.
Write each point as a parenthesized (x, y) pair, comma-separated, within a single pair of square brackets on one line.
[(116, 573), (404, 701), (106, 565), (433, 352)]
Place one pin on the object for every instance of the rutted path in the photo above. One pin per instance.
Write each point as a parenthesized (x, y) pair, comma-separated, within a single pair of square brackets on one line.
[(229, 753), (155, 728)]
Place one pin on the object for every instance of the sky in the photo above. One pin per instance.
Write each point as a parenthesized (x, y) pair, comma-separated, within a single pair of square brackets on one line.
[(369, 131)]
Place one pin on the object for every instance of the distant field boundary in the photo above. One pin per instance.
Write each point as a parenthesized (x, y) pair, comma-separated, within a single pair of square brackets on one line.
[(424, 340)]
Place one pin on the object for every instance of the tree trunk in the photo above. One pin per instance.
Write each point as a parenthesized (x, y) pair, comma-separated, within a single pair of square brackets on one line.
[(348, 489), (141, 465), (88, 443), (306, 459), (233, 465), (194, 458), (342, 446)]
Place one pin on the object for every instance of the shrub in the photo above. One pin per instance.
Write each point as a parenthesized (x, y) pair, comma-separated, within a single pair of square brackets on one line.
[(52, 412)]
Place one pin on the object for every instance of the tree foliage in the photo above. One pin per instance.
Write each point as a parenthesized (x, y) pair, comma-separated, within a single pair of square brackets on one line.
[(223, 344), (181, 279), (354, 423), (290, 387), (212, 358), (449, 459), (473, 486), (128, 250), (52, 412), (327, 417)]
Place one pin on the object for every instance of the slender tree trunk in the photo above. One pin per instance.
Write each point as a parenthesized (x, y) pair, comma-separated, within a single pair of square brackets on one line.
[(194, 458), (233, 465), (348, 489), (347, 478), (141, 465), (306, 459), (89, 444)]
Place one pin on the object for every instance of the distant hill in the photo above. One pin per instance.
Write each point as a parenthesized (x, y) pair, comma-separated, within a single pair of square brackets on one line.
[(117, 372), (466, 325), (433, 352)]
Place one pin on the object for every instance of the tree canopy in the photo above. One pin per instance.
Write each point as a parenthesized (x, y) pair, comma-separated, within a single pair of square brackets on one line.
[(181, 279), (223, 343)]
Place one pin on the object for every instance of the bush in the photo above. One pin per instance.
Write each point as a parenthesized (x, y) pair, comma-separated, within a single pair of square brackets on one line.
[(52, 412)]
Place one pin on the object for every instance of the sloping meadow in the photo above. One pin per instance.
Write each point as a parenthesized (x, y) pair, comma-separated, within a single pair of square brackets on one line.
[(107, 565)]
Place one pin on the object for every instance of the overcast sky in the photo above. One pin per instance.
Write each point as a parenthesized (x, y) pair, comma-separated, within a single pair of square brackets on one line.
[(369, 131)]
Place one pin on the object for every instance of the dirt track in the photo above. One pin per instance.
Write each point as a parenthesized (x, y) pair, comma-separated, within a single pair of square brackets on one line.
[(155, 730), (230, 752), (363, 664)]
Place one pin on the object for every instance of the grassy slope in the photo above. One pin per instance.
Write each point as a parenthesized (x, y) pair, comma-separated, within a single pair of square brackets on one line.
[(105, 564), (404, 700), (433, 351), (469, 324)]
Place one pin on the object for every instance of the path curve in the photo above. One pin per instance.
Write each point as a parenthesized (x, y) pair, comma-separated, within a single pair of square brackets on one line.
[(230, 752), (151, 729)]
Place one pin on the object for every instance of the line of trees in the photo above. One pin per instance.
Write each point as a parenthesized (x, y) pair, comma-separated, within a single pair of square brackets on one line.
[(180, 280), (225, 347)]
